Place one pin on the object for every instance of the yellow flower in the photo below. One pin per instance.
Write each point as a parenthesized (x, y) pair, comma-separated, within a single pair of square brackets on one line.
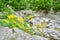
[(20, 19), (12, 16), (6, 21), (29, 17)]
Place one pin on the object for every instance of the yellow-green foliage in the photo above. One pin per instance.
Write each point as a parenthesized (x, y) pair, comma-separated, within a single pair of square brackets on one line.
[(13, 21)]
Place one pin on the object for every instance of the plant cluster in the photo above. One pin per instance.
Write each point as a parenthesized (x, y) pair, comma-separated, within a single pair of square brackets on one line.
[(28, 4), (12, 21), (56, 5)]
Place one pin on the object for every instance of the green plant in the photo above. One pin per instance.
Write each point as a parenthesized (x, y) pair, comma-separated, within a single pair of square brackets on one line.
[(29, 4), (56, 5)]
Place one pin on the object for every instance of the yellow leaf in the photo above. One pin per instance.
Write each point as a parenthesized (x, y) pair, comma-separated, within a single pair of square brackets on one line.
[(21, 26), (20, 19), (11, 16), (29, 17)]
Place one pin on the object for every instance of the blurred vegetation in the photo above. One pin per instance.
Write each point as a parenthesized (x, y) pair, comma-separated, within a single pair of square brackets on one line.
[(30, 4), (56, 5), (27, 4)]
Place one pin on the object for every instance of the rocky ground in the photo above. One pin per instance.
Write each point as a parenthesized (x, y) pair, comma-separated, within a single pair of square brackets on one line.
[(49, 31)]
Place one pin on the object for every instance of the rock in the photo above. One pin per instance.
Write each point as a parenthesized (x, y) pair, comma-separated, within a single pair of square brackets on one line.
[(3, 33), (38, 38), (49, 32)]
